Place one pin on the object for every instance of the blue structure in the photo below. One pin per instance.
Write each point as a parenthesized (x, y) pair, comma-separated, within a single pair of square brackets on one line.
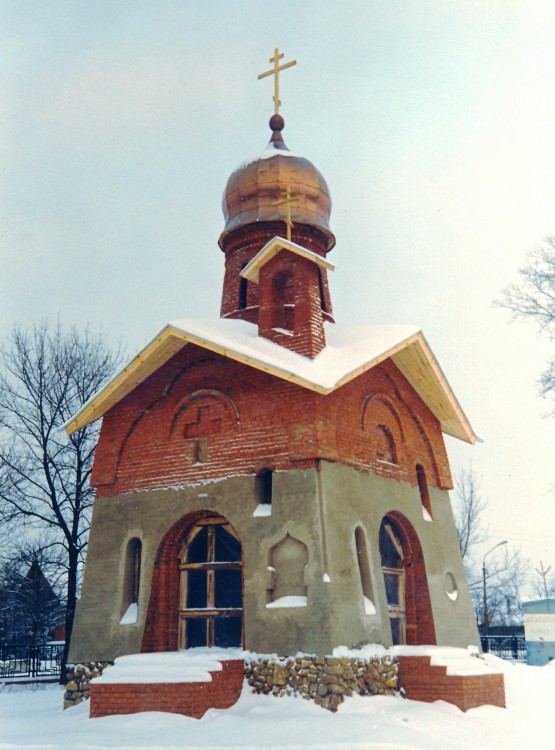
[(539, 631)]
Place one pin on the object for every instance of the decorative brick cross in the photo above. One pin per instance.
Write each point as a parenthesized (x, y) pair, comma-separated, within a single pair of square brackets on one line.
[(200, 425)]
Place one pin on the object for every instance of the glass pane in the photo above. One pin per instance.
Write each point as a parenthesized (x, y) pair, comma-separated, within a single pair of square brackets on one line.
[(392, 588), (228, 592), (228, 549), (396, 630), (198, 548), (196, 589), (227, 632), (389, 554), (195, 632)]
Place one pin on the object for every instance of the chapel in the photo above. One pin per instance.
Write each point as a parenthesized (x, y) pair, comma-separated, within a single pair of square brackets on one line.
[(273, 480)]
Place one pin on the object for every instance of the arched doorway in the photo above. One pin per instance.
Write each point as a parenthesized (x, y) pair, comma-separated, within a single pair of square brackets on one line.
[(405, 582), (210, 585)]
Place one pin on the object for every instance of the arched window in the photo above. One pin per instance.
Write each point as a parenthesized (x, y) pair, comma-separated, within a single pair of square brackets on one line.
[(424, 494), (211, 586), (132, 581), (385, 448), (364, 570), (391, 551)]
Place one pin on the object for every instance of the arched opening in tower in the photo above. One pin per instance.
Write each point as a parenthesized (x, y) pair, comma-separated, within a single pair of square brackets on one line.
[(405, 582)]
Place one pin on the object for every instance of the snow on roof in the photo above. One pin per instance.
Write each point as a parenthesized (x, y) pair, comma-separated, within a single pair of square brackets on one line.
[(349, 351), (269, 151), (273, 247)]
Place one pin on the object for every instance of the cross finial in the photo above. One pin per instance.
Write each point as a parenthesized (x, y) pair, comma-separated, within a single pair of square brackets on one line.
[(275, 71), (287, 201)]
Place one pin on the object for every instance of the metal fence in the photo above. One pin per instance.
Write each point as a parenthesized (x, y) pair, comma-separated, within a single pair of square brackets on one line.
[(20, 661), (506, 646)]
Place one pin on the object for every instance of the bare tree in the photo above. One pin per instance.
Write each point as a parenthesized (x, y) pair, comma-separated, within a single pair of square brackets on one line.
[(544, 584), (45, 377), (505, 573), (534, 298), (468, 510)]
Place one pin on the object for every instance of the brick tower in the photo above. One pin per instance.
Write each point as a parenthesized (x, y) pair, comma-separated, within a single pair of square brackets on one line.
[(271, 479)]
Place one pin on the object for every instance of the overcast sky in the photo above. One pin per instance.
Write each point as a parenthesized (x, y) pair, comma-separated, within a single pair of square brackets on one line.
[(433, 122)]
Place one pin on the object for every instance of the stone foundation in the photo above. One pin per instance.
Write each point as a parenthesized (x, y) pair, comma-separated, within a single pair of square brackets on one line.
[(325, 680), (78, 680)]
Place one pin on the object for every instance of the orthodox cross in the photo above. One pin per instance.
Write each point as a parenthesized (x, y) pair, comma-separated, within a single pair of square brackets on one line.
[(275, 71), (287, 201)]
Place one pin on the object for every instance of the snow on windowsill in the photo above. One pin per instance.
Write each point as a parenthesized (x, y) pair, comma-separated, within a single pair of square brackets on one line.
[(288, 601), (262, 511), (284, 331), (130, 616), (369, 607)]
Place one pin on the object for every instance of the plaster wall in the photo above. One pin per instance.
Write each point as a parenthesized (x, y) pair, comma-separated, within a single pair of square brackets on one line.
[(320, 508)]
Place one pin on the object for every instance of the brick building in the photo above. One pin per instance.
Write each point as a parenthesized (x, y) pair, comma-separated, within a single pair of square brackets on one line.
[(272, 479)]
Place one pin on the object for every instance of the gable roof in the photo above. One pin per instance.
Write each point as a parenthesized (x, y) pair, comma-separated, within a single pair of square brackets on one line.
[(350, 351), (273, 247)]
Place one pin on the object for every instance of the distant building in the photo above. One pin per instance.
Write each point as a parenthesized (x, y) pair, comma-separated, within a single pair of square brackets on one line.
[(539, 631)]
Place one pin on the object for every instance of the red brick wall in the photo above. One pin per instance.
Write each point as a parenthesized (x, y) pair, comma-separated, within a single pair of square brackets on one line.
[(305, 318), (423, 682), (188, 698), (243, 244), (251, 419)]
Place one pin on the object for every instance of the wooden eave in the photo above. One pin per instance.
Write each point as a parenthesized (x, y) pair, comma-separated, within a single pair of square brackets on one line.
[(252, 270), (412, 356)]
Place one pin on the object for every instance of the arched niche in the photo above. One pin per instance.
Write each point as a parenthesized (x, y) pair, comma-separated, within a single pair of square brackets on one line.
[(287, 561)]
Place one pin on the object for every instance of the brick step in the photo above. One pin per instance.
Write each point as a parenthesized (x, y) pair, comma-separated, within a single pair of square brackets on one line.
[(423, 681), (188, 698)]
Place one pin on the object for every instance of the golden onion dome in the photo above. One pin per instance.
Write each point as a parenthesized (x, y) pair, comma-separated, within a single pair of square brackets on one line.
[(254, 188)]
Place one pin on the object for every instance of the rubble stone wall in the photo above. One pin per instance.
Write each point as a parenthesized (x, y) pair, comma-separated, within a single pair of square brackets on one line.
[(325, 680), (78, 680)]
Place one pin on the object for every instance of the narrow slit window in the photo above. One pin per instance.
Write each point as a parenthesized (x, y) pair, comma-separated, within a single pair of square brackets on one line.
[(243, 292), (264, 487), (424, 493), (364, 570), (322, 291), (132, 582)]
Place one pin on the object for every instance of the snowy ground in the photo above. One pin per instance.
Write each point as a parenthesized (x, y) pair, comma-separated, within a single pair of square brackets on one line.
[(33, 719)]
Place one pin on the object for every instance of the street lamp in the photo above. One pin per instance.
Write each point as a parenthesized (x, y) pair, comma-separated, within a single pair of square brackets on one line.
[(486, 618)]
